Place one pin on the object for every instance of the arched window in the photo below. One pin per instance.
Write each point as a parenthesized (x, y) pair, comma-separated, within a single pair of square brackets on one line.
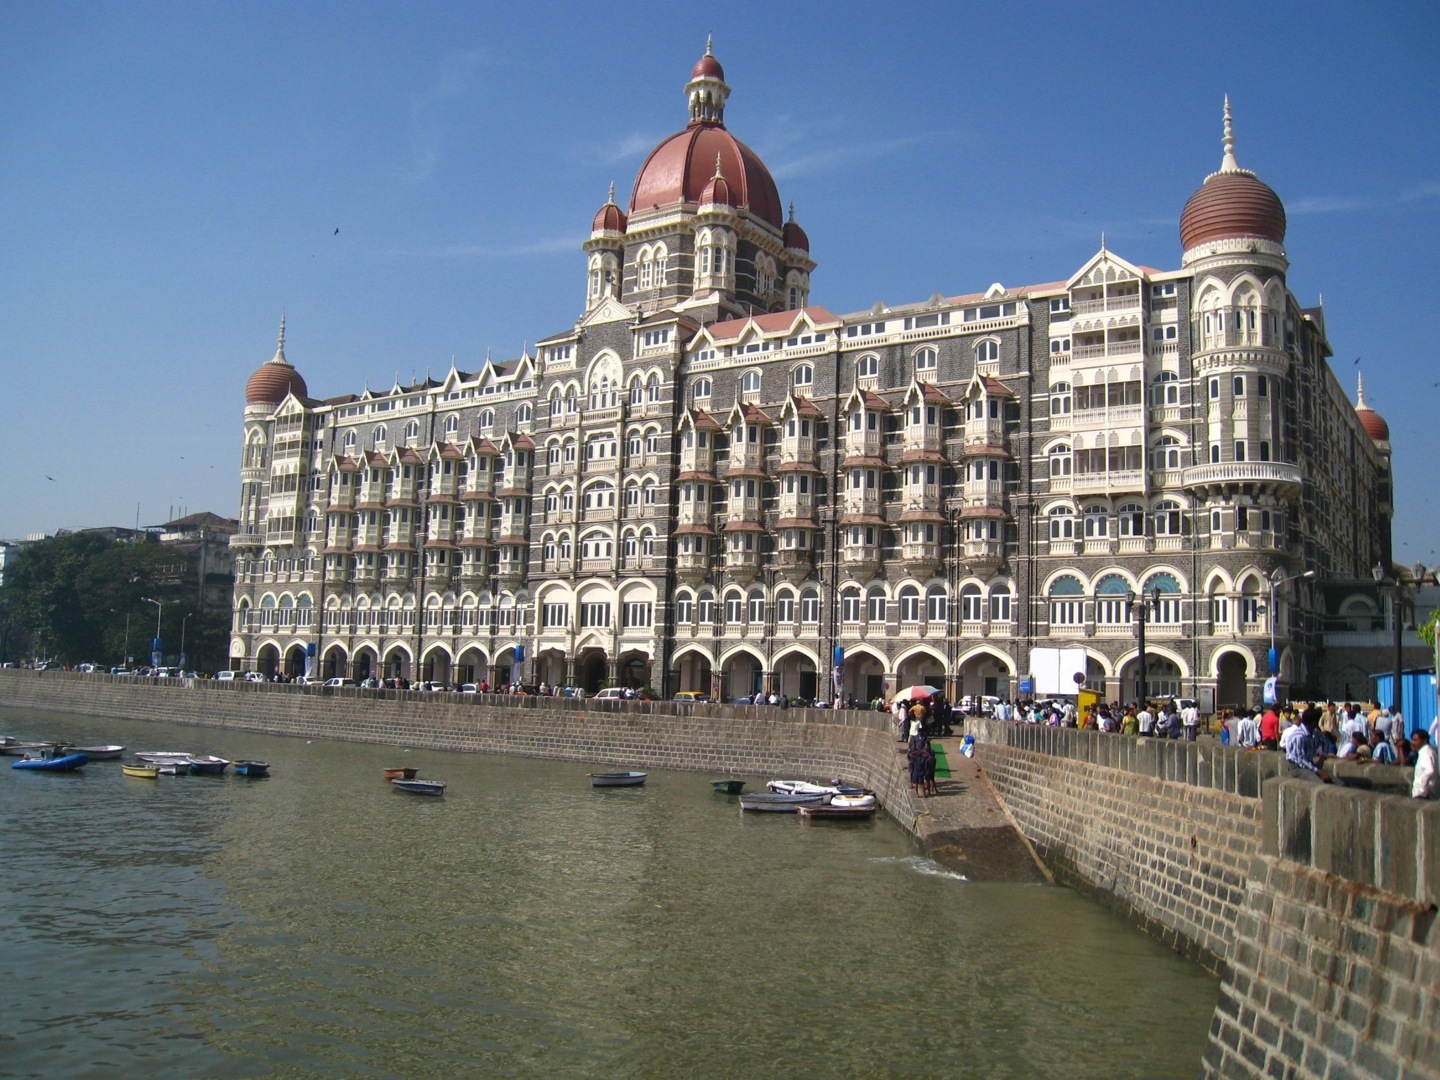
[(909, 604), (926, 359), (487, 419), (350, 440), (987, 351), (1062, 523), (756, 605), (1112, 601), (1060, 461), (971, 603), (523, 414), (1067, 601), (381, 436), (1000, 605), (750, 382), (1060, 399), (867, 367), (876, 605), (653, 389), (809, 607), (937, 604), (1166, 454), (1131, 517), (1165, 390), (1167, 518), (1097, 522), (637, 391), (1164, 593), (702, 388), (804, 375), (850, 605), (412, 432)]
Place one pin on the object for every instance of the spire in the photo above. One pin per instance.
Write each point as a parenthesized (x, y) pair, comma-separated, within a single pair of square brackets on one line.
[(719, 172), (1229, 164), (279, 357), (1360, 390), (792, 209), (1102, 241), (611, 200), (709, 41)]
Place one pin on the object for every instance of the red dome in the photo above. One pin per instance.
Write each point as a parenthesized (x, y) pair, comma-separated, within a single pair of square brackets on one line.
[(795, 237), (1231, 206), (609, 219), (681, 167), (272, 381), (1373, 423), (718, 193), (708, 68)]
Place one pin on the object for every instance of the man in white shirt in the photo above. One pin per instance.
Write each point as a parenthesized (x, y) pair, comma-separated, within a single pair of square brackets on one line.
[(1426, 784), (1146, 720), (1190, 719)]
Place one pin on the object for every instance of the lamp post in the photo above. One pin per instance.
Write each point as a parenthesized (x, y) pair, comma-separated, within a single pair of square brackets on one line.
[(155, 656), (182, 637), (1276, 580), (1141, 606), (1397, 693)]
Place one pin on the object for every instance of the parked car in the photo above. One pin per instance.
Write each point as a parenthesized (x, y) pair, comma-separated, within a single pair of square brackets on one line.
[(692, 696), (611, 693), (333, 683), (305, 680), (226, 676), (254, 676), (468, 688)]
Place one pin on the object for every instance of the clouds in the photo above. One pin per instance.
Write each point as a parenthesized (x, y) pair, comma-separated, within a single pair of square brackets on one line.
[(431, 111)]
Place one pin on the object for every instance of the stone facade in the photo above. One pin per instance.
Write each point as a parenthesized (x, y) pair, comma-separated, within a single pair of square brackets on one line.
[(709, 483)]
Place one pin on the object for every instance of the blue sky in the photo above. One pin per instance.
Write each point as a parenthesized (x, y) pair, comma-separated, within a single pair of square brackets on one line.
[(173, 176)]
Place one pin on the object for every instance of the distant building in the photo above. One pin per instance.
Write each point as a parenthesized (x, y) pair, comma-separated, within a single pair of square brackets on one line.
[(709, 482), (203, 556)]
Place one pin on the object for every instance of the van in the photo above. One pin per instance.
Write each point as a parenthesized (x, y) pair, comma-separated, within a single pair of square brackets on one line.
[(224, 676)]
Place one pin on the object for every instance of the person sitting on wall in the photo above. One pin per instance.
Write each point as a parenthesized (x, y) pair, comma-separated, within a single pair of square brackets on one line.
[(1303, 748), (1381, 752)]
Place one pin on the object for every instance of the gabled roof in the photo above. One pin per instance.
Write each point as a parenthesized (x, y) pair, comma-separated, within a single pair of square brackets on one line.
[(772, 324)]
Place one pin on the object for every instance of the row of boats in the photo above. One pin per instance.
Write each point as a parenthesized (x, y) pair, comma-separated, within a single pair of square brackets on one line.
[(148, 764), (810, 800)]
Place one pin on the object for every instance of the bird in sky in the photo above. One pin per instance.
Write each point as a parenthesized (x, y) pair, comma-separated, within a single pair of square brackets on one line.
[(336, 232), (51, 479)]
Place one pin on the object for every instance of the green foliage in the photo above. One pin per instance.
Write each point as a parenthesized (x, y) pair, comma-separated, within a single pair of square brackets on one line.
[(72, 599), (1427, 632)]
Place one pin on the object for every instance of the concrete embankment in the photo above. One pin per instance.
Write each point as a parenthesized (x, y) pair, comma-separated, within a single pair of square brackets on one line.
[(1316, 905), (964, 829)]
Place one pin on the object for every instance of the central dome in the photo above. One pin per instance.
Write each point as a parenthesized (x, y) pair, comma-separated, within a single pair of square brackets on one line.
[(681, 167), (678, 171)]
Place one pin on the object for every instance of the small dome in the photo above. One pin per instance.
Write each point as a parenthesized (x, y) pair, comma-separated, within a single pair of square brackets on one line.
[(794, 235), (718, 192), (707, 67), (1232, 204), (1373, 423), (274, 379), (610, 218)]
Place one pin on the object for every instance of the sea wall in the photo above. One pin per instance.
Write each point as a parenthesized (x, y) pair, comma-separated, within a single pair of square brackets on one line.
[(1316, 905), (720, 740)]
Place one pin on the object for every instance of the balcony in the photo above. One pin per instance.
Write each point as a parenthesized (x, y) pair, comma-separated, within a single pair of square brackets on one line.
[(922, 559), (1271, 476), (693, 566), (862, 561), (794, 564), (1123, 302), (1103, 352), (1113, 416), (1108, 482), (742, 565)]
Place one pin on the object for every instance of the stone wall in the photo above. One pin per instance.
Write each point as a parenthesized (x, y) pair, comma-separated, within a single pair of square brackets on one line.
[(1315, 904)]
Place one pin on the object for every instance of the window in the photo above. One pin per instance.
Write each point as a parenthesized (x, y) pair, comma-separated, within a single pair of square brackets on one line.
[(1168, 332), (705, 610), (850, 605), (1060, 463), (750, 382), (412, 432), (637, 614), (926, 359), (1060, 400), (523, 414), (785, 608), (1131, 517), (1237, 385), (552, 615), (1067, 604), (702, 388), (1166, 390), (867, 367), (936, 605), (1062, 523), (684, 609), (909, 604), (757, 608), (594, 614), (1097, 522), (804, 375), (987, 351), (1000, 604), (1166, 455), (734, 609), (1214, 389), (875, 606), (972, 604), (810, 607), (1167, 519)]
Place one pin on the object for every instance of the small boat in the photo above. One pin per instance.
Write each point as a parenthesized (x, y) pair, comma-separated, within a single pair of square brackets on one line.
[(173, 768), (400, 774), (728, 787), (143, 772), (617, 779), (773, 803), (253, 769), (99, 753), (207, 764), (806, 787), (54, 763), (419, 787), (19, 749), (164, 757), (858, 808)]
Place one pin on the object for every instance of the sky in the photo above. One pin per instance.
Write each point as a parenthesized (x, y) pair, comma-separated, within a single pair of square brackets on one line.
[(174, 176)]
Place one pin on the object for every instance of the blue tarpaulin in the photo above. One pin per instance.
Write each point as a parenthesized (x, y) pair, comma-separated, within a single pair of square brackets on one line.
[(1418, 685)]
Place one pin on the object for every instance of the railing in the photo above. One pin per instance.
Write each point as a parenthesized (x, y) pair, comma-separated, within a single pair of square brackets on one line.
[(1232, 472)]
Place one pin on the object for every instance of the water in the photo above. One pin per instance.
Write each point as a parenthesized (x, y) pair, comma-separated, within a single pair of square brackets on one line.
[(320, 924)]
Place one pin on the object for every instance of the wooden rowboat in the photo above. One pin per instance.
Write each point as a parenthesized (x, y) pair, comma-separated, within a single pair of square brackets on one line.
[(207, 763), (829, 811), (617, 779), (254, 769), (99, 753), (143, 772), (771, 803), (728, 787)]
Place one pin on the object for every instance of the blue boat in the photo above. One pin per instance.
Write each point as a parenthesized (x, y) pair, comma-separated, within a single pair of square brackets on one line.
[(207, 764), (56, 763), (254, 769)]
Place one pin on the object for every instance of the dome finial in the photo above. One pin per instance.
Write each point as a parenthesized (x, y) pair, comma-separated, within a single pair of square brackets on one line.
[(279, 357), (709, 43), (1228, 163), (612, 193), (1359, 390), (792, 209), (719, 171)]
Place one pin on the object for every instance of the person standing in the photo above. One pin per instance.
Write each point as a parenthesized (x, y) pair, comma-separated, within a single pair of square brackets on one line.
[(1426, 784), (1145, 719), (1190, 720)]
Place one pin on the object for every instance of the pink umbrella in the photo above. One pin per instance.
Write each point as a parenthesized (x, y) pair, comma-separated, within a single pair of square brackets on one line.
[(916, 693)]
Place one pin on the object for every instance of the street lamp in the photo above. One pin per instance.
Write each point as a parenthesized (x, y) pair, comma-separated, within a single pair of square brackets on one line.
[(188, 614), (1141, 606), (155, 657), (1397, 693), (1276, 580)]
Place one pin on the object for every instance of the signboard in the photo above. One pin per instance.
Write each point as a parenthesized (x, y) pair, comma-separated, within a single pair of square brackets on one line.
[(1207, 701), (1027, 687), (1054, 670), (1272, 690)]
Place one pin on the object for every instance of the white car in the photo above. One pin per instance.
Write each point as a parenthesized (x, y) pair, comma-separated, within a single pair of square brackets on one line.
[(226, 676), (335, 683), (254, 676)]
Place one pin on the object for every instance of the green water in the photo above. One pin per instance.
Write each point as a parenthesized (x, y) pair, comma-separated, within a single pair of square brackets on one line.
[(319, 923)]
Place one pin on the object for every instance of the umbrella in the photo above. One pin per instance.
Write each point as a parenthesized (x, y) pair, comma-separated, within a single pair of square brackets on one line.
[(915, 693)]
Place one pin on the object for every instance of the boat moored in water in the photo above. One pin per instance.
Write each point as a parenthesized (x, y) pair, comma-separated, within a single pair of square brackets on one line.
[(99, 753), (419, 787), (207, 764), (141, 772), (617, 779), (400, 774), (843, 806), (253, 769), (728, 787), (52, 763), (777, 803), (808, 787)]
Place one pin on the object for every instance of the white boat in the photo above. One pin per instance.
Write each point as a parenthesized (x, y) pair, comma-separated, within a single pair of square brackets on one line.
[(806, 787), (165, 757), (100, 753)]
